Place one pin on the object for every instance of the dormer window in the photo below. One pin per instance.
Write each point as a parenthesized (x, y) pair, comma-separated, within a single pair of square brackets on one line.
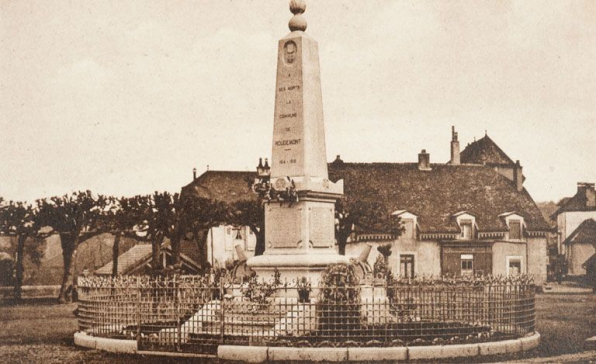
[(515, 230), (409, 223), (409, 229), (515, 225), (467, 229), (467, 225)]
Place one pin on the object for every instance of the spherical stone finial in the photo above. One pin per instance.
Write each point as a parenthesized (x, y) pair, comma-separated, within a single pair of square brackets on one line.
[(297, 6), (297, 23)]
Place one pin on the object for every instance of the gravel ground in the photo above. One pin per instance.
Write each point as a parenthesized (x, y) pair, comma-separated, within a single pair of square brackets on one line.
[(41, 331)]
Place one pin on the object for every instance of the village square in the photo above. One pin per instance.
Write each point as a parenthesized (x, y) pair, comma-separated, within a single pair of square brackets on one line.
[(361, 186)]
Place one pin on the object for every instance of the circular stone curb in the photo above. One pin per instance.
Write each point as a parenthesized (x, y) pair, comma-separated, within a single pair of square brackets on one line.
[(124, 346), (262, 354)]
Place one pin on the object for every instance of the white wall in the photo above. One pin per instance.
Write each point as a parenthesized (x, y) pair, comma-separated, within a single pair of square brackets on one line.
[(537, 259), (427, 254), (567, 223), (224, 240)]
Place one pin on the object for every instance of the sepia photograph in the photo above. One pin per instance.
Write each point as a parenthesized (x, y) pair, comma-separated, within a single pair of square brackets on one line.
[(297, 181)]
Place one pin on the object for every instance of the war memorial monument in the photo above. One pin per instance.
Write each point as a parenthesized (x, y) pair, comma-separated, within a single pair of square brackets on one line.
[(305, 302)]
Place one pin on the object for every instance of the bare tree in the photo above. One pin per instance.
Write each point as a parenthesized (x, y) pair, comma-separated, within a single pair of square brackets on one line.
[(20, 220), (74, 217)]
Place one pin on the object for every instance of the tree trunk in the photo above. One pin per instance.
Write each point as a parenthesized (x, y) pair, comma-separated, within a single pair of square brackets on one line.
[(18, 284), (201, 239), (175, 243), (69, 244), (260, 235), (342, 239), (156, 253), (115, 254)]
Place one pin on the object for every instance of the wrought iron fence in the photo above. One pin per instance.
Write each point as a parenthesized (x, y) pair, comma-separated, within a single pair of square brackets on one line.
[(196, 314)]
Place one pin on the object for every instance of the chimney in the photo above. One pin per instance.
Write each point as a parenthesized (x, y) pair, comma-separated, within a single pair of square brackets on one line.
[(194, 174), (424, 161), (338, 161), (454, 147), (518, 176), (587, 189)]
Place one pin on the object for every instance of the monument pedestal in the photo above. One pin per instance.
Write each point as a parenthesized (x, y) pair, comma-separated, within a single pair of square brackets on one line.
[(300, 238)]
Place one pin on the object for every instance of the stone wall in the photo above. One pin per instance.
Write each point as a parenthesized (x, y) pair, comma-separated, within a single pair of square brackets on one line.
[(537, 259), (502, 250)]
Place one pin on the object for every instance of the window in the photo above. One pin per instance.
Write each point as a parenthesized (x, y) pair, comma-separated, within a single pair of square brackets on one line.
[(229, 231), (406, 265), (409, 229), (466, 229), (515, 230), (514, 266), (467, 265)]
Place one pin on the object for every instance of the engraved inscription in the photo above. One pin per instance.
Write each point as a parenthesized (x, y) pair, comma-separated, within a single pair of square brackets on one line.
[(321, 227), (289, 88), (280, 143), (283, 116), (283, 227)]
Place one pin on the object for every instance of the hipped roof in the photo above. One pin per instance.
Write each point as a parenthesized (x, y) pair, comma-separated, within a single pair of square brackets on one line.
[(434, 196), (584, 234), (485, 151), (579, 202)]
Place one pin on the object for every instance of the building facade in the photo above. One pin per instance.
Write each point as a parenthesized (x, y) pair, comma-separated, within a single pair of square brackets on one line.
[(576, 227), (458, 218)]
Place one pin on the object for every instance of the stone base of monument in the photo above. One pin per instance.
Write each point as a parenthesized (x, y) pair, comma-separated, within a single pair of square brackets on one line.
[(294, 267)]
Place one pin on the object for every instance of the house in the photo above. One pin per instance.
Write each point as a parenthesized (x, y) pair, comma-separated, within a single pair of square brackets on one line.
[(577, 227), (471, 215), (229, 187), (91, 255), (459, 218), (137, 260)]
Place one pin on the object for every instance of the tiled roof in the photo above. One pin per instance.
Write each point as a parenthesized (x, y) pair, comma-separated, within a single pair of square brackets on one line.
[(434, 196), (590, 262), (140, 253), (584, 234), (226, 186), (128, 260), (579, 202), (485, 151)]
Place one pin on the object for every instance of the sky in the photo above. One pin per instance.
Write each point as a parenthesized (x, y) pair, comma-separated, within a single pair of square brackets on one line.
[(127, 97)]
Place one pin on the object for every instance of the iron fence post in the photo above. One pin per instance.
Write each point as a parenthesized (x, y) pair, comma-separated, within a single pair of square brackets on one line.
[(178, 321), (221, 310), (139, 310)]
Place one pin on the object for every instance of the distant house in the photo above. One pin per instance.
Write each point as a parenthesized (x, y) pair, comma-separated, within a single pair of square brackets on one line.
[(469, 216), (487, 153), (138, 259), (576, 226), (226, 186), (91, 255)]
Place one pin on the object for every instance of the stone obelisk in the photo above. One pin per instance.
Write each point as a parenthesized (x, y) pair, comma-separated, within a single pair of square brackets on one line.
[(299, 237)]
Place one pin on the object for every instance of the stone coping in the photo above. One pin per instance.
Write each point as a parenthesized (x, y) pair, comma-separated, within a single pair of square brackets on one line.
[(262, 354)]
